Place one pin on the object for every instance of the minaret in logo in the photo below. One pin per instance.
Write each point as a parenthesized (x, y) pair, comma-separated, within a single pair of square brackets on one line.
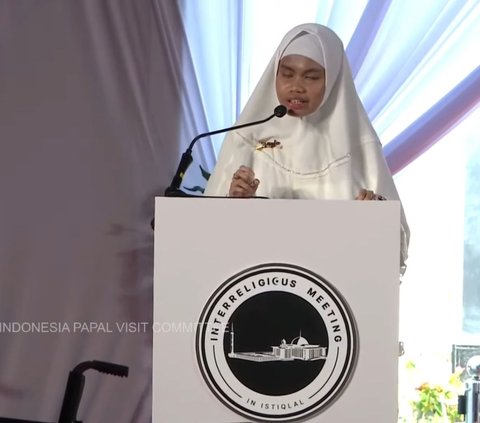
[(297, 349)]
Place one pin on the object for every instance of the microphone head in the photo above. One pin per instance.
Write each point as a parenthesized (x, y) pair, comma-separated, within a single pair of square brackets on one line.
[(280, 111)]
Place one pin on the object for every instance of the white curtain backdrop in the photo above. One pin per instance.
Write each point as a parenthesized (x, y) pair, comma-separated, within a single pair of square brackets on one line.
[(93, 103)]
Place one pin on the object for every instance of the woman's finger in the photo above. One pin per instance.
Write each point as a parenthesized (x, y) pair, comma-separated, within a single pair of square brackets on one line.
[(361, 195), (366, 194)]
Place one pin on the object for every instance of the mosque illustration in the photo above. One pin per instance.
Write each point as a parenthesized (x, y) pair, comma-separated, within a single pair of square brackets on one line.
[(298, 349)]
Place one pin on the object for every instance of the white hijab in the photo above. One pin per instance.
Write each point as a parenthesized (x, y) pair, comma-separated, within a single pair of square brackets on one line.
[(330, 154)]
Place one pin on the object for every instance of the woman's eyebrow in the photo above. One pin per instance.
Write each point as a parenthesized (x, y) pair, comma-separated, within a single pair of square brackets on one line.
[(286, 67), (291, 69), (313, 70)]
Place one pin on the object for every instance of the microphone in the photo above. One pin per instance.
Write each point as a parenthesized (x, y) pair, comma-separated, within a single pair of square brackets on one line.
[(174, 189)]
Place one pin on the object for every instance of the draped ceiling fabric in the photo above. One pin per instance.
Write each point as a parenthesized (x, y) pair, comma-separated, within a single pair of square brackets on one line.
[(97, 101)]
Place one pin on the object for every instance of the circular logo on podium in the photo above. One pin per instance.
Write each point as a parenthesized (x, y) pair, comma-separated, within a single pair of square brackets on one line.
[(276, 342)]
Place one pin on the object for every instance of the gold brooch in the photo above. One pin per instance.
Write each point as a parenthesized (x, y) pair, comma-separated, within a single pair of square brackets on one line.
[(268, 144)]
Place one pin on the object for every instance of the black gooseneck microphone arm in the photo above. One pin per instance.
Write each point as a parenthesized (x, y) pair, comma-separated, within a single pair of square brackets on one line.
[(186, 160)]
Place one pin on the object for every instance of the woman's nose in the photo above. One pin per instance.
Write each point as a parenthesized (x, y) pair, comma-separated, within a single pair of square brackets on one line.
[(297, 86)]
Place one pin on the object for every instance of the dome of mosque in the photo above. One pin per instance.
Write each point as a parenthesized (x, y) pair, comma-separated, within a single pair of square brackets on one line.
[(299, 340)]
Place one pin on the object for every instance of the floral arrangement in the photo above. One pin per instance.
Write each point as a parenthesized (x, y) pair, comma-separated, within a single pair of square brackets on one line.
[(438, 402)]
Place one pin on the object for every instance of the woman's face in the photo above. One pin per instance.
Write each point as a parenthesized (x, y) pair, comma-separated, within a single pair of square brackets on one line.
[(300, 84)]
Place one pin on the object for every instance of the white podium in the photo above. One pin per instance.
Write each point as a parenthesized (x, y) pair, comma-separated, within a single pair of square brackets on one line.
[(275, 310)]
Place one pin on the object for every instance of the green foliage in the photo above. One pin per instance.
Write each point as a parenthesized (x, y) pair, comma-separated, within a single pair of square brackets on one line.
[(435, 401), (205, 174), (197, 188), (410, 365), (430, 401)]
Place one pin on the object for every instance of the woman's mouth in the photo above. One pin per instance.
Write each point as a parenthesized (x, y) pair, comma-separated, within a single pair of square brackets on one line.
[(296, 104)]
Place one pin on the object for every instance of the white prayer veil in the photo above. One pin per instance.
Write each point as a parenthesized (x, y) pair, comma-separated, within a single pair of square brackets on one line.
[(330, 154)]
